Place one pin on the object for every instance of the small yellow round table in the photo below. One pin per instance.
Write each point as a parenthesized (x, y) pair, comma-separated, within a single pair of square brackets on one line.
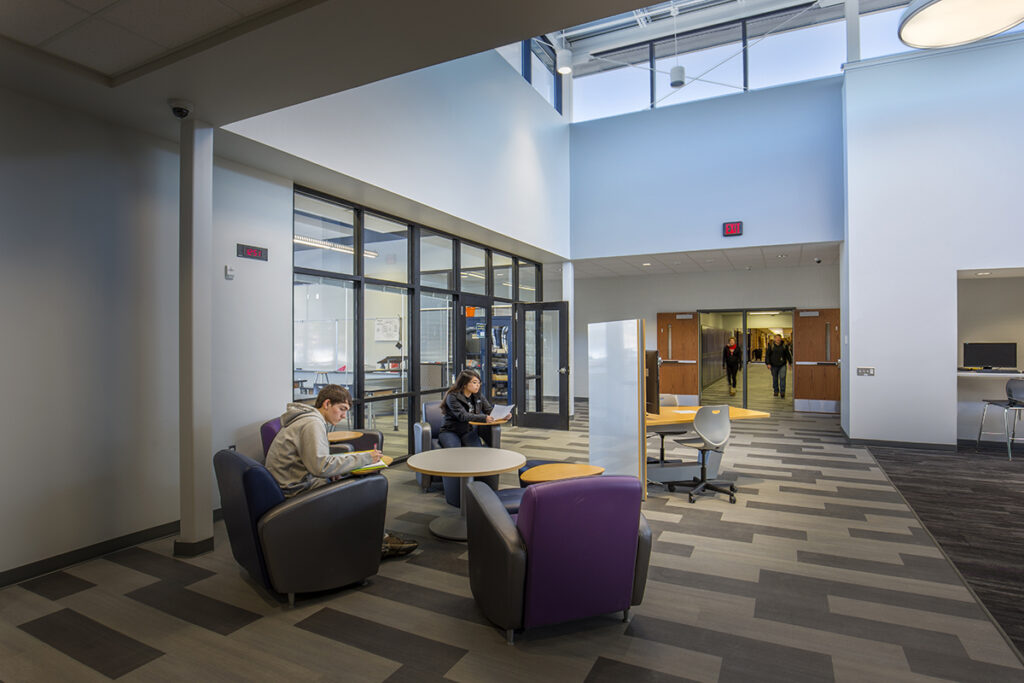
[(559, 470), (342, 436)]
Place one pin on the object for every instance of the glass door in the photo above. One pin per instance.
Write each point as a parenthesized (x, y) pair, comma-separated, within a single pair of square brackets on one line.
[(541, 365), (723, 358)]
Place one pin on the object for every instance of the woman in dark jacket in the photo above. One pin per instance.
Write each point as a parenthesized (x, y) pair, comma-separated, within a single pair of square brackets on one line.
[(732, 360), (463, 403)]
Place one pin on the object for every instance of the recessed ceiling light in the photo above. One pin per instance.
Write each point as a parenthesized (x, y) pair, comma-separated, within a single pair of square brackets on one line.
[(983, 273), (645, 264), (782, 256)]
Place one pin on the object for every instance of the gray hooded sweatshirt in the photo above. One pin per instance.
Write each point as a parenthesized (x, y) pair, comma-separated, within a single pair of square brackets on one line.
[(300, 458)]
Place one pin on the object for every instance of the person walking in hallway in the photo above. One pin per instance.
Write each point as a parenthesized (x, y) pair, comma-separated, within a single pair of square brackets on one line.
[(777, 357), (732, 360)]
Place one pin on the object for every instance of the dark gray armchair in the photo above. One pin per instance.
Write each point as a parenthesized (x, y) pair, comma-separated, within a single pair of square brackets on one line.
[(325, 538)]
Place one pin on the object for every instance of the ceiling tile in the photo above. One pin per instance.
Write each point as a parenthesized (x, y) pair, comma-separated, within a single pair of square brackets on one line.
[(103, 47), (828, 253), (250, 7), (790, 256), (33, 21), (171, 23), (92, 6), (747, 257)]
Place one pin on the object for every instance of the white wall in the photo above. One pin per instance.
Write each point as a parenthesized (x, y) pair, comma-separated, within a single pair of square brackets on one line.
[(89, 368), (469, 137), (666, 179), (934, 175), (89, 285), (605, 299), (252, 340)]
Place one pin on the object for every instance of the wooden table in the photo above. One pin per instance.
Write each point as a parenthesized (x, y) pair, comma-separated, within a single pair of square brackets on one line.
[(559, 470), (466, 462), (342, 436), (676, 415)]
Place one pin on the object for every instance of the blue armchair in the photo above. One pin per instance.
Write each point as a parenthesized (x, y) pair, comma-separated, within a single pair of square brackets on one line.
[(325, 538)]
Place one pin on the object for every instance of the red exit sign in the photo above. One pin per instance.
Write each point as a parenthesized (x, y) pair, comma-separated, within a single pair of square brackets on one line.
[(731, 229)]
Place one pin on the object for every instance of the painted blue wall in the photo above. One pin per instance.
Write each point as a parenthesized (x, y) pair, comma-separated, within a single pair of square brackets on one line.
[(665, 180)]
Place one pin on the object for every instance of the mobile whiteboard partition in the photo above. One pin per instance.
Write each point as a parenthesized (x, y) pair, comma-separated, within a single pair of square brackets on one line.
[(615, 352)]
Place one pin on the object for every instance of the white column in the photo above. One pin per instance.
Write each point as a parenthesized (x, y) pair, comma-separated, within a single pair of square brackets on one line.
[(195, 280), (568, 294), (852, 30)]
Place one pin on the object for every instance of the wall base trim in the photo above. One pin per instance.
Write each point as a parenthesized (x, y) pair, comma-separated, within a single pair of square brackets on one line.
[(903, 444), (193, 548), (64, 560)]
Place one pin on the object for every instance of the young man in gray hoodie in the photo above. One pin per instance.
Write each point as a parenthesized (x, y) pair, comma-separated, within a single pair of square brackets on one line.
[(300, 458)]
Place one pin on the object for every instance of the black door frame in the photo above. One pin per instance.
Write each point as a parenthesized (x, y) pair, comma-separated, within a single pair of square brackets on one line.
[(537, 417)]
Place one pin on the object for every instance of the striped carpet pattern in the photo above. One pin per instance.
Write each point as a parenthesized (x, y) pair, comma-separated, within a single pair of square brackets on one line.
[(819, 572)]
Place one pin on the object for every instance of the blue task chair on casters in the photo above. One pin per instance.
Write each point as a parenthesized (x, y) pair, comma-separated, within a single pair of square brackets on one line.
[(322, 539), (425, 435)]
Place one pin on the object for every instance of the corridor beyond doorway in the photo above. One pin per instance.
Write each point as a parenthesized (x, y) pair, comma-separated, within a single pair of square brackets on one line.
[(753, 331)]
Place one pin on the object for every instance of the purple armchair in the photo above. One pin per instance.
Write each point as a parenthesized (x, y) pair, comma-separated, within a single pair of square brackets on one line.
[(578, 548), (369, 440)]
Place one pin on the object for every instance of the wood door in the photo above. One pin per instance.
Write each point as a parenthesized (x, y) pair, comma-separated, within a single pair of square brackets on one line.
[(816, 360), (678, 335)]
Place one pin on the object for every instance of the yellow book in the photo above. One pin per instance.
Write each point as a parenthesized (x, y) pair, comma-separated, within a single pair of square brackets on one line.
[(385, 460)]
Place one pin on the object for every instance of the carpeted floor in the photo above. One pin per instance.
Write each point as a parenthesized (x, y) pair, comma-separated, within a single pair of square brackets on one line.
[(820, 572)]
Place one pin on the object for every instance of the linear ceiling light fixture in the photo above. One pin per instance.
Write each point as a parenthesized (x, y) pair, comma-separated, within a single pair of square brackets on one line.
[(945, 23), (330, 246)]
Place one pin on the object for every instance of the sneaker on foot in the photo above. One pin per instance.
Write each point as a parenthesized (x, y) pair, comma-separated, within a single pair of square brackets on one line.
[(393, 546), (776, 393), (782, 394)]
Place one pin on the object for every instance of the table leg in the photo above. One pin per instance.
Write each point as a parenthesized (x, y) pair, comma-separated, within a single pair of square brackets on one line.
[(449, 526), (396, 414)]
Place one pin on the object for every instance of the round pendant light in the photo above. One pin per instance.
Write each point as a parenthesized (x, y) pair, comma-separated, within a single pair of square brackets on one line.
[(945, 23), (677, 76), (563, 61)]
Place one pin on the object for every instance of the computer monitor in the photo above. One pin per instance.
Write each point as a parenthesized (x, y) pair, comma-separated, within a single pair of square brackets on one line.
[(990, 355), (651, 388)]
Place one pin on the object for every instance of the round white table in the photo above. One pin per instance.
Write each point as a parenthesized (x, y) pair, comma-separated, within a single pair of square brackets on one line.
[(466, 462)]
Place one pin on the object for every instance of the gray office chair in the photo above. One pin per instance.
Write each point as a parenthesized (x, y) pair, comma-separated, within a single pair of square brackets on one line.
[(1014, 402), (713, 428)]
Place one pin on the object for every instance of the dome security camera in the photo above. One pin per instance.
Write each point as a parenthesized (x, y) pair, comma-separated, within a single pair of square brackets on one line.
[(181, 109), (817, 260)]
